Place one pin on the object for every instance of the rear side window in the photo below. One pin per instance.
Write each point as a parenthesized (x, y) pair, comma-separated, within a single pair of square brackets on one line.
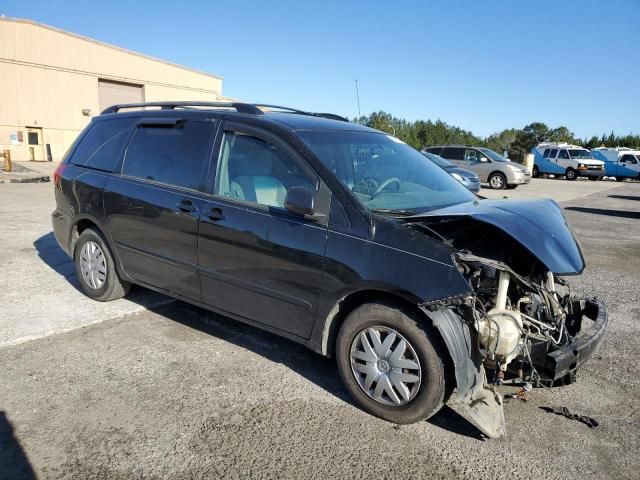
[(453, 153), (553, 152), (102, 146), (434, 150), (546, 153), (172, 154)]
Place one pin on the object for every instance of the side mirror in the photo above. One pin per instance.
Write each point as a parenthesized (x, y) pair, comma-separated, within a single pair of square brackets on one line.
[(300, 200)]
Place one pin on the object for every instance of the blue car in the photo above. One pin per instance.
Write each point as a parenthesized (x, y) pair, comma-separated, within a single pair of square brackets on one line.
[(464, 176)]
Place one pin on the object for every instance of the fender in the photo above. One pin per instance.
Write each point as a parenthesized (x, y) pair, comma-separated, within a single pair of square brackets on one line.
[(483, 406)]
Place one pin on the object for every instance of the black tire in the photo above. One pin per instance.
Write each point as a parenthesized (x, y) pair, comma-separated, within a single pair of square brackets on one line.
[(497, 181), (536, 172), (595, 179), (113, 287), (430, 395), (619, 179), (570, 174)]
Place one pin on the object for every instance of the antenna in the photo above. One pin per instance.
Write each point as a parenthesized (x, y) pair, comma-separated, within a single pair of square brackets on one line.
[(358, 97)]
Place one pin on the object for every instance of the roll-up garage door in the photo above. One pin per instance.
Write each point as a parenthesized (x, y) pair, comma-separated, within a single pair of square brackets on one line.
[(112, 93)]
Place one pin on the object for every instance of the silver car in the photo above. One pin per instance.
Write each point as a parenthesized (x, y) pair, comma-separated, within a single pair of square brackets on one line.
[(492, 168)]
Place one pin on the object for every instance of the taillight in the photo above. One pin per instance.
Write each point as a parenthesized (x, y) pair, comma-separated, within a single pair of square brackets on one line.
[(57, 175)]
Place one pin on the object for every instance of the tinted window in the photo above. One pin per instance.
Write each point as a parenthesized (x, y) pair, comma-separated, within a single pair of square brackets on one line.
[(546, 153), (553, 152), (172, 154), (254, 170), (102, 146), (628, 159), (563, 154), (435, 150), (452, 153)]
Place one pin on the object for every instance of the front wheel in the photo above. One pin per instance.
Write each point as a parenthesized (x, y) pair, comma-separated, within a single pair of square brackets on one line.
[(536, 172), (497, 181), (570, 174), (95, 268), (391, 364)]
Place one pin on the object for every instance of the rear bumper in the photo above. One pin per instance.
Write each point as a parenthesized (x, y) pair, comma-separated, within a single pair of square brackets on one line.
[(561, 364), (61, 222)]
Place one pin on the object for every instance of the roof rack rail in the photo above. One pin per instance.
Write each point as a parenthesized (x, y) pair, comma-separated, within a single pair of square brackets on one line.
[(239, 106), (331, 116)]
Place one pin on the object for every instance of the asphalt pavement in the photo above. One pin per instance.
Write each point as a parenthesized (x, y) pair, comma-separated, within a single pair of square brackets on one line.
[(149, 388)]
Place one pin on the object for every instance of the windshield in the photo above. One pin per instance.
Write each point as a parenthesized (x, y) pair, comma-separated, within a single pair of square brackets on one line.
[(493, 155), (438, 160), (580, 154), (384, 173)]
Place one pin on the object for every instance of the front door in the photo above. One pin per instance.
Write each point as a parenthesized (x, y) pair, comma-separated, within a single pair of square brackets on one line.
[(478, 162), (256, 259), (35, 145), (628, 166), (153, 206)]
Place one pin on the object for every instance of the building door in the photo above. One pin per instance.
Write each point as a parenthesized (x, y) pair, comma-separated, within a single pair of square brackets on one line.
[(34, 144), (114, 93)]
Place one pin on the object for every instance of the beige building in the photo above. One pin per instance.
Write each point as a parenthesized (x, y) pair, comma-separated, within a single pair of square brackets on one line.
[(52, 82)]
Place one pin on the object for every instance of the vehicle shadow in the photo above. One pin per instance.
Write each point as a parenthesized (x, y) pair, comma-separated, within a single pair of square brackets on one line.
[(320, 370), (607, 212), (625, 197), (14, 463), (52, 255)]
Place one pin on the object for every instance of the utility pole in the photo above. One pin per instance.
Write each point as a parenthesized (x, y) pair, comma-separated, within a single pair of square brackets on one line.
[(358, 97)]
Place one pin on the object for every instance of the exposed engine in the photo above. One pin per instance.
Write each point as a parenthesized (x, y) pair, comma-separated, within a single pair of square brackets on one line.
[(517, 318)]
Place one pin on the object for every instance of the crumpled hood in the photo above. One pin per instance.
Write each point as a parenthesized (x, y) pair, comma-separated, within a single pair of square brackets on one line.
[(538, 225)]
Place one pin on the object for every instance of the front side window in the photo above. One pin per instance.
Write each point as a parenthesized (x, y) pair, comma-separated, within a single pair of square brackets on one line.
[(629, 159), (101, 147), (472, 155), (384, 173), (171, 154), (563, 155), (254, 170)]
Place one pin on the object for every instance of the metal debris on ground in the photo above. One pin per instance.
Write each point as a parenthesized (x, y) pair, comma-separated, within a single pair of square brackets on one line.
[(565, 412)]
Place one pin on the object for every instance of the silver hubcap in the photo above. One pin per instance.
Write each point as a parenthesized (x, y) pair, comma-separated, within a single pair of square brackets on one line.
[(93, 265), (496, 181), (385, 365)]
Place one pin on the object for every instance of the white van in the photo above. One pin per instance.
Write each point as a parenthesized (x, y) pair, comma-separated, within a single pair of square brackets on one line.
[(572, 161), (619, 162)]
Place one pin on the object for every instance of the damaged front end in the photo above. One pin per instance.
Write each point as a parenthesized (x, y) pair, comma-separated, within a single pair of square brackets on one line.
[(521, 322)]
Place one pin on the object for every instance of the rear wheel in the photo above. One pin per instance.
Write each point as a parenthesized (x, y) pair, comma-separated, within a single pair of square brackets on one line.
[(594, 179), (536, 172), (391, 364), (497, 181), (570, 174), (95, 268)]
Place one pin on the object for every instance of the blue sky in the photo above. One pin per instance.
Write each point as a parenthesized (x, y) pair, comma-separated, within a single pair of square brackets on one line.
[(483, 66)]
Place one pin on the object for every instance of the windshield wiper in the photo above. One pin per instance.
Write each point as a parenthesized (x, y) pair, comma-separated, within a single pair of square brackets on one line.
[(392, 211)]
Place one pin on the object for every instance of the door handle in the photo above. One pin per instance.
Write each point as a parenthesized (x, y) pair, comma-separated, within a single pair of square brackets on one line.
[(186, 206), (215, 214)]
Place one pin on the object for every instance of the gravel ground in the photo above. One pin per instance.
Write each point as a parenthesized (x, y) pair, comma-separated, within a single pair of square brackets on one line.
[(177, 392)]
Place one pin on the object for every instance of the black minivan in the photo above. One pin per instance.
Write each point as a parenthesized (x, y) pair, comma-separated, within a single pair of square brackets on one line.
[(334, 235)]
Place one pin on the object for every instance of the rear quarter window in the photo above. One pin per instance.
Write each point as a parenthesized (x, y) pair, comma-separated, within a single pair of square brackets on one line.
[(452, 153), (102, 146)]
